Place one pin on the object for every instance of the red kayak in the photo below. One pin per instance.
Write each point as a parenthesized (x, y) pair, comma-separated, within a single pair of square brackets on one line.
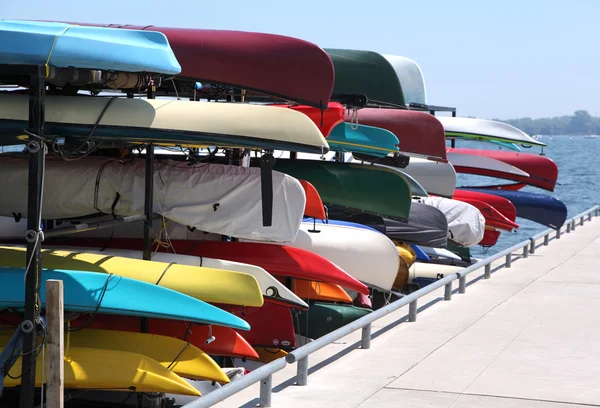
[(490, 237), (227, 342), (505, 187), (418, 132), (275, 65), (325, 120), (504, 206), (543, 172), (493, 218), (314, 207), (271, 325)]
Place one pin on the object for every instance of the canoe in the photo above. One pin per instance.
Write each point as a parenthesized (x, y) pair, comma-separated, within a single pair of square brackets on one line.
[(419, 133), (270, 287), (411, 78), (416, 188), (422, 256), (437, 178), (347, 137), (465, 222), (177, 355), (540, 171), (432, 271), (367, 73), (326, 120), (541, 208), (63, 46), (278, 260), (368, 256), (276, 65), (493, 217), (374, 189), (119, 295), (86, 368), (504, 206), (227, 342), (165, 121), (322, 318), (483, 129), (210, 284), (426, 225), (215, 192), (483, 166), (271, 325), (320, 291), (314, 205), (439, 253), (507, 145)]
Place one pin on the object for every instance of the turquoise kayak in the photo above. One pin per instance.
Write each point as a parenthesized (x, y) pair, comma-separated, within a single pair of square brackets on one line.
[(90, 292), (63, 45), (348, 137)]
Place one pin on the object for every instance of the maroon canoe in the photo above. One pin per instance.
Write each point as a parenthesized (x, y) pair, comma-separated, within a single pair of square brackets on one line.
[(543, 172), (275, 65), (418, 132)]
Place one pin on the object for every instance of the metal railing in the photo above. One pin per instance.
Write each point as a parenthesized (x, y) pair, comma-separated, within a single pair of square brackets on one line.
[(265, 373)]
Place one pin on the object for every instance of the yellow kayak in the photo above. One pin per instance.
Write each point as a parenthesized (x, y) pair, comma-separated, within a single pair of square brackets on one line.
[(207, 284), (407, 258), (179, 356), (266, 355), (110, 370)]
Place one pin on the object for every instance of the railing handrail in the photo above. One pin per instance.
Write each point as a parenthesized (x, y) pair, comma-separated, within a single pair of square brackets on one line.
[(266, 371)]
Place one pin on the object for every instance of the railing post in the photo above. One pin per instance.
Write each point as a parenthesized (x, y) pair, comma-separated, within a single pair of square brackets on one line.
[(448, 291), (488, 271), (532, 246), (581, 221), (462, 284), (302, 373), (558, 233), (265, 391), (546, 239), (412, 311), (526, 251), (596, 211), (508, 260), (589, 216), (573, 222), (568, 227), (365, 340)]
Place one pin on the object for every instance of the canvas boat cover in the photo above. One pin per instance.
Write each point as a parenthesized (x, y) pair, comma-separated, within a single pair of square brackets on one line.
[(466, 225), (214, 198), (426, 224)]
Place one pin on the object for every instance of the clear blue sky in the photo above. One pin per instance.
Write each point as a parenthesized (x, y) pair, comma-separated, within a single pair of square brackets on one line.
[(504, 59)]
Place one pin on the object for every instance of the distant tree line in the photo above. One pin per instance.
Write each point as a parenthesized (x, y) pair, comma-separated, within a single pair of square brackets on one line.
[(581, 123)]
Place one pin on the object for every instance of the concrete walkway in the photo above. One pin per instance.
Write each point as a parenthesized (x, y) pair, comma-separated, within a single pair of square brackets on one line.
[(528, 337)]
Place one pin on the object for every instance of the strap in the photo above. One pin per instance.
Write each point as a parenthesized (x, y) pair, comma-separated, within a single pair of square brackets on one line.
[(47, 65)]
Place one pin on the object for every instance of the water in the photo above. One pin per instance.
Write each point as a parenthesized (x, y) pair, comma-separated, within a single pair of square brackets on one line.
[(578, 177)]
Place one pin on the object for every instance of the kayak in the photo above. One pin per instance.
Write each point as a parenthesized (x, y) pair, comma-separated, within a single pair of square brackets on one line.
[(541, 208), (411, 78), (314, 205), (504, 206), (347, 137), (322, 318), (63, 46), (484, 166), (539, 171), (369, 188), (432, 271), (439, 253), (422, 256), (201, 282), (486, 130), (493, 218), (367, 73), (320, 291), (268, 354), (419, 133), (164, 121), (437, 178), (490, 237), (326, 120), (276, 65)]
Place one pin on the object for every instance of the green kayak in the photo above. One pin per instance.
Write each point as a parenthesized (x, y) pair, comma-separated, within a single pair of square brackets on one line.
[(375, 189), (322, 318), (368, 73)]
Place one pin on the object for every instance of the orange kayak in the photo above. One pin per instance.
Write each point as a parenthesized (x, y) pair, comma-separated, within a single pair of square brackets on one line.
[(321, 291), (314, 207)]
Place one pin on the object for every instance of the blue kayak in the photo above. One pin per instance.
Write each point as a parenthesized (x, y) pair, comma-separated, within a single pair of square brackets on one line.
[(343, 223), (347, 137), (63, 45), (421, 255), (541, 208), (83, 291)]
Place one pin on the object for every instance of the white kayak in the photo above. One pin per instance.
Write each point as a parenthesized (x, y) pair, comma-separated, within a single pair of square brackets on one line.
[(437, 178), (411, 78), (483, 163), (483, 129), (431, 270), (210, 197), (466, 225), (269, 286), (439, 253)]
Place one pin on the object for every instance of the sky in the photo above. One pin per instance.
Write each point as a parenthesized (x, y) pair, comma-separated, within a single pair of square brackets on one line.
[(489, 59)]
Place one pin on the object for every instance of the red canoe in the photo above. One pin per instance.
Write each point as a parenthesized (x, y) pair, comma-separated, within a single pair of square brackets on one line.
[(227, 343), (418, 132), (314, 207), (504, 206), (325, 120), (275, 65), (493, 218), (543, 172), (271, 325)]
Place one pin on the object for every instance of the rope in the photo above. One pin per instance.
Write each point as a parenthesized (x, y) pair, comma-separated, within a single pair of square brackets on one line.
[(165, 271), (47, 65)]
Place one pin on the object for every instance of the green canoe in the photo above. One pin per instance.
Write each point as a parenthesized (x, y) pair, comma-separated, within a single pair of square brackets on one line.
[(368, 73), (322, 318), (375, 189)]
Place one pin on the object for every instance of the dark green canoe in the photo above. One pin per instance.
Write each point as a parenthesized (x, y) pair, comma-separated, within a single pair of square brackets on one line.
[(375, 189), (322, 318), (368, 73)]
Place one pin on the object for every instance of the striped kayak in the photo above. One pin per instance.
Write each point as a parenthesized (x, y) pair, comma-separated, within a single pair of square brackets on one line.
[(347, 137), (486, 130), (84, 291)]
